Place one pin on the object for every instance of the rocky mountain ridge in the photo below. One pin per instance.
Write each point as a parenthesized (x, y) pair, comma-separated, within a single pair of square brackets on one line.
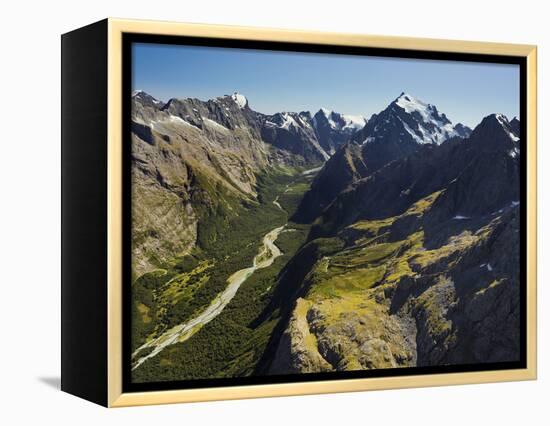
[(192, 155), (412, 272), (399, 130), (403, 252)]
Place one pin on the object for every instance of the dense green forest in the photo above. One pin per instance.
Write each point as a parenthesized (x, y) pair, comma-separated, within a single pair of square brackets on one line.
[(234, 341)]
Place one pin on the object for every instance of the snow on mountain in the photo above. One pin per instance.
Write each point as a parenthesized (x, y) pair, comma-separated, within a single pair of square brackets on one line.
[(334, 129), (515, 125), (341, 122), (335, 121), (146, 99), (287, 121), (293, 128), (462, 131), (411, 105), (496, 133), (239, 99), (499, 123), (432, 127), (506, 126), (410, 119), (327, 114), (353, 122), (283, 120)]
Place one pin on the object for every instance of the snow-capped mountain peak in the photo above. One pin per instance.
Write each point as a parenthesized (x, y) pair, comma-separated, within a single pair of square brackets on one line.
[(502, 119), (287, 121), (146, 99), (506, 125), (327, 112), (239, 99), (424, 122), (515, 125), (355, 122), (328, 115), (409, 120), (495, 133), (411, 105), (341, 122)]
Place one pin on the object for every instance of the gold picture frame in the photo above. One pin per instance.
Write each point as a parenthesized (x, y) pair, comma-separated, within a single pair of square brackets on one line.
[(115, 29)]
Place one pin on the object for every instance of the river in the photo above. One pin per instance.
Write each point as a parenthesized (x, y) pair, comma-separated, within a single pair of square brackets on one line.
[(180, 333), (267, 254)]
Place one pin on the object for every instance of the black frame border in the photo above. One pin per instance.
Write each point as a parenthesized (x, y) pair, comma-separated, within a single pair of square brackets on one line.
[(129, 38)]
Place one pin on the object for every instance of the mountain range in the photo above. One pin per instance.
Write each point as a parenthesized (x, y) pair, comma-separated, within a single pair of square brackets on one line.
[(396, 243), (399, 130), (415, 264)]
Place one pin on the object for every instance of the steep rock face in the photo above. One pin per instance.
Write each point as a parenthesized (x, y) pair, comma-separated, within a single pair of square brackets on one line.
[(484, 314), (515, 125), (321, 134), (386, 302), (192, 160), (164, 222), (427, 275), (480, 174), (461, 131), (218, 133), (196, 162), (344, 167), (146, 99), (293, 132), (298, 348), (406, 126), (334, 129), (361, 336)]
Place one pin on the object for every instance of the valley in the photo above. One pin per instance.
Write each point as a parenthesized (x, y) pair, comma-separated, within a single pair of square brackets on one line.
[(304, 243), (265, 253)]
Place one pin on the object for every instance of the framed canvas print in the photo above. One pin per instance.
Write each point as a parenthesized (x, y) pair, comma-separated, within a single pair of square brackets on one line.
[(250, 212)]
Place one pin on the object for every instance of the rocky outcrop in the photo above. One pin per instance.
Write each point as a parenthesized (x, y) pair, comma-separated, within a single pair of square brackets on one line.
[(298, 350), (189, 158), (396, 304), (413, 255), (429, 271)]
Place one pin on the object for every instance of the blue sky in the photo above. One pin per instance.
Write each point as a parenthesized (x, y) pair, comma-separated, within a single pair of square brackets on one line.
[(285, 81)]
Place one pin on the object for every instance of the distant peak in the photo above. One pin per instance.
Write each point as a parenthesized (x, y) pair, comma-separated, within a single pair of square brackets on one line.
[(405, 99), (404, 95), (502, 119), (145, 98), (239, 99), (412, 105), (493, 122), (338, 121), (408, 97), (413, 119)]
